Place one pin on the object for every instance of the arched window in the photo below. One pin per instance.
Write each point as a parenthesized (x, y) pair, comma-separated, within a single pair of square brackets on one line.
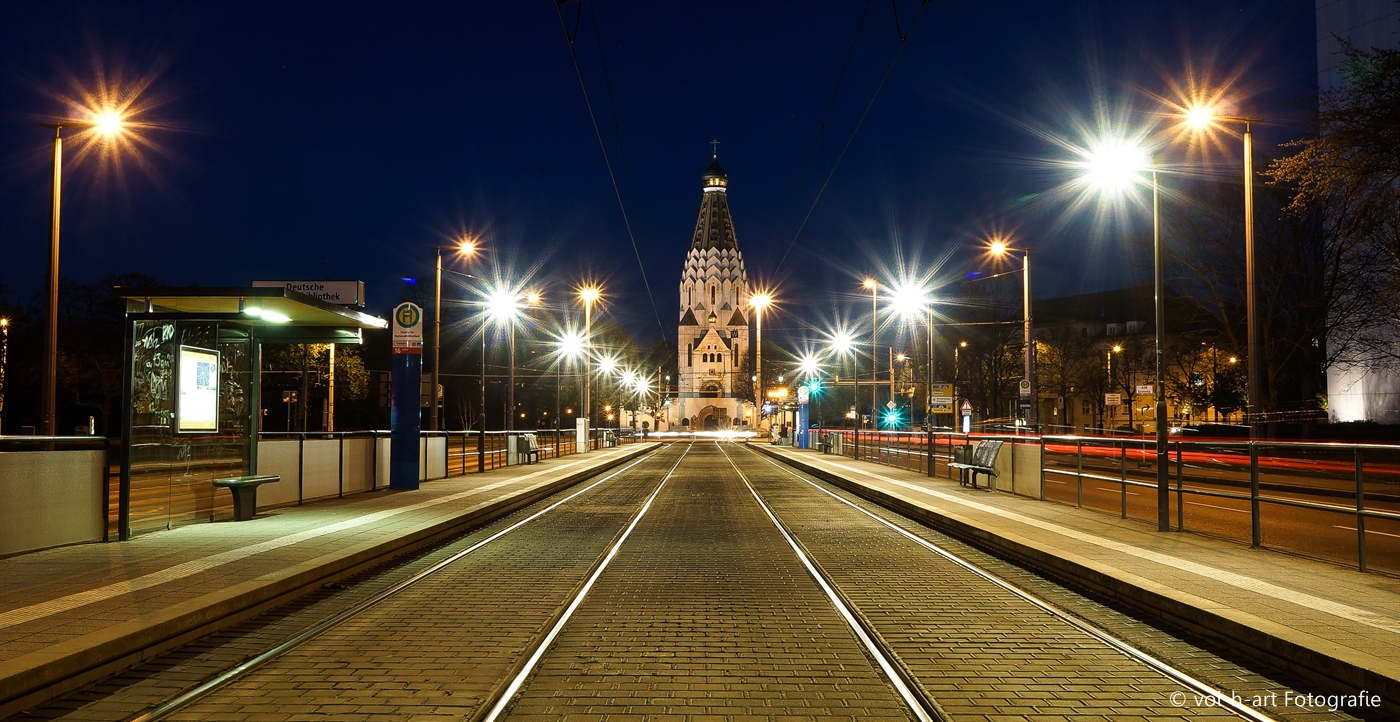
[(712, 296)]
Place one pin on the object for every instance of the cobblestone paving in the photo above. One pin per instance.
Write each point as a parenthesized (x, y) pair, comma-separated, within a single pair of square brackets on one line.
[(706, 614), (981, 652), (472, 619)]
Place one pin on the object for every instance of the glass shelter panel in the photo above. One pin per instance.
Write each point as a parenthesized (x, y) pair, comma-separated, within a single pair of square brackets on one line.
[(172, 472)]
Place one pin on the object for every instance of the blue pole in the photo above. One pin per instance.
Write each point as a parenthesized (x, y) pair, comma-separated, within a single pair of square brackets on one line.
[(405, 419)]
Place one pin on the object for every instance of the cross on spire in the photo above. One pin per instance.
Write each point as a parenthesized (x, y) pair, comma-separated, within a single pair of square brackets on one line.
[(714, 146)]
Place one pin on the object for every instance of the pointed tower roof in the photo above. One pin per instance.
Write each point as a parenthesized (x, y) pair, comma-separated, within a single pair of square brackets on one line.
[(715, 227)]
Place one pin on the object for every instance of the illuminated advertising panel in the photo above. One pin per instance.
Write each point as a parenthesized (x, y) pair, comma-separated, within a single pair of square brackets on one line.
[(198, 407)]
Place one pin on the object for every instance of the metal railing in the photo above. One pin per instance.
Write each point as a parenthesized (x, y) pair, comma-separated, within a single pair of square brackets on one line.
[(1335, 501)]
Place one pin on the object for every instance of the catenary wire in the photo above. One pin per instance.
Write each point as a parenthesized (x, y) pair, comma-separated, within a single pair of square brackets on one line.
[(612, 175), (902, 45)]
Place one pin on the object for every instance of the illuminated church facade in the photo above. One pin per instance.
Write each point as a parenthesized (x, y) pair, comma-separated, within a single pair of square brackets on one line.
[(713, 335)]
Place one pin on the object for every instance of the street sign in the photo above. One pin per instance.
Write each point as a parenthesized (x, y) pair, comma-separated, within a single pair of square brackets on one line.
[(1113, 399), (966, 406), (1144, 389), (803, 394), (1025, 388), (942, 401), (891, 405), (408, 329), (343, 293)]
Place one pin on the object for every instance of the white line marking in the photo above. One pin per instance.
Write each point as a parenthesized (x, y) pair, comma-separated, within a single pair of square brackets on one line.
[(20, 615), (1214, 506), (1240, 581), (1117, 491), (1368, 531)]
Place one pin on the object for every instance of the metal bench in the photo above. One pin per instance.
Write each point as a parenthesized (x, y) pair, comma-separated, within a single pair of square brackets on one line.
[(527, 445), (983, 461), (245, 493)]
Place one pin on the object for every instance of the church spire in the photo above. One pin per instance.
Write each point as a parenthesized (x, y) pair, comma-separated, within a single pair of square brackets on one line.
[(715, 227)]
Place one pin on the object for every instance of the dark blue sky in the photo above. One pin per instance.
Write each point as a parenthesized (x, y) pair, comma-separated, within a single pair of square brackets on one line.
[(304, 140)]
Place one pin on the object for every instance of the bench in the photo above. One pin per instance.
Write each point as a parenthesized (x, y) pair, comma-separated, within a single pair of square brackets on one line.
[(527, 445), (983, 461), (245, 493)]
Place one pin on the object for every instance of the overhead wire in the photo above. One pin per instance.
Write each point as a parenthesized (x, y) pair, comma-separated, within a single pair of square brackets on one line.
[(820, 140), (612, 175), (903, 43)]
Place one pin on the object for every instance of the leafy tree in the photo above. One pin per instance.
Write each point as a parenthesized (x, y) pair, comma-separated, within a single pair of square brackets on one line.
[(1348, 174)]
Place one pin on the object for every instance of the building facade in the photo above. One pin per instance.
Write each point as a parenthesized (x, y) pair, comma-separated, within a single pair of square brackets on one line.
[(713, 334)]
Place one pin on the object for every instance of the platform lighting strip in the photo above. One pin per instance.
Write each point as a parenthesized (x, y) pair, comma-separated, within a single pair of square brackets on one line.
[(876, 651), (515, 684), (1225, 699), (326, 624)]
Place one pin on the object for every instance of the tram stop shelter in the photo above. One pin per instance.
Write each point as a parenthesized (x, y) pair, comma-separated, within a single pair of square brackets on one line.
[(190, 390)]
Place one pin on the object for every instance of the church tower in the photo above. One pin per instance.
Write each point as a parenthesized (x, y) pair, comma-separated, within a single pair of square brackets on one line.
[(713, 340)]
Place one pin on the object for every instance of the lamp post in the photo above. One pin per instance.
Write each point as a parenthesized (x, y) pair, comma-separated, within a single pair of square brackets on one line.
[(589, 294), (465, 248), (909, 302), (4, 359), (759, 302), (503, 305), (874, 289), (1112, 166), (107, 124), (1203, 117), (1000, 248)]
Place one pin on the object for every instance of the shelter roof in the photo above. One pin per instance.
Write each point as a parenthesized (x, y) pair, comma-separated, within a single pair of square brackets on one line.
[(297, 316)]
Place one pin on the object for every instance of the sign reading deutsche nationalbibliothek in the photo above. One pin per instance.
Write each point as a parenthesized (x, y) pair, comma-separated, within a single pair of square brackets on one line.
[(344, 293), (408, 329)]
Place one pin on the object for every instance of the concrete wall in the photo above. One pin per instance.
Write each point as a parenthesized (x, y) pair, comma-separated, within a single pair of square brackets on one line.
[(51, 498)]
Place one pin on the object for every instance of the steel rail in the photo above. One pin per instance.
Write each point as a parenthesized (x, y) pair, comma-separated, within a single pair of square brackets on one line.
[(215, 683), (506, 695), (1224, 698), (926, 710)]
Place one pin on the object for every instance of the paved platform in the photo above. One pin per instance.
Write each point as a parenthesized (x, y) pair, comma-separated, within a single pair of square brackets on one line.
[(75, 614), (1333, 625)]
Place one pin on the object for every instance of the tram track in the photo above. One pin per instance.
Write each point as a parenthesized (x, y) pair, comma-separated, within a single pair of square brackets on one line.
[(322, 612), (626, 608), (1210, 678)]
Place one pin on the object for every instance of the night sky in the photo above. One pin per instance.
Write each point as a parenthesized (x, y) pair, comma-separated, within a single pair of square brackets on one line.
[(310, 141)]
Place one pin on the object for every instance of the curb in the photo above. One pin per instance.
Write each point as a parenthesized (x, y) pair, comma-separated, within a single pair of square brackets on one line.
[(1334, 669), (30, 680)]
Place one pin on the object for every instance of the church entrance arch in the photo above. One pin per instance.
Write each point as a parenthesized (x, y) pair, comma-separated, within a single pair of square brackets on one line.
[(712, 418)]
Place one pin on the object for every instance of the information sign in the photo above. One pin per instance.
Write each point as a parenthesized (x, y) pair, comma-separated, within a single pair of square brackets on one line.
[(804, 394), (1025, 387), (343, 293), (408, 329), (198, 409), (1112, 399), (1144, 389)]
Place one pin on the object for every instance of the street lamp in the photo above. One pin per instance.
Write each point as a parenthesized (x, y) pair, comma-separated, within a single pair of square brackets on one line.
[(999, 248), (1202, 118), (909, 301), (759, 302), (589, 294), (1114, 165), (107, 124), (503, 305), (570, 346), (874, 288), (465, 248), (4, 358)]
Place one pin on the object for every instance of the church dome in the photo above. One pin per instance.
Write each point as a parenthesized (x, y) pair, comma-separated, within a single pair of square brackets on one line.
[(715, 175)]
